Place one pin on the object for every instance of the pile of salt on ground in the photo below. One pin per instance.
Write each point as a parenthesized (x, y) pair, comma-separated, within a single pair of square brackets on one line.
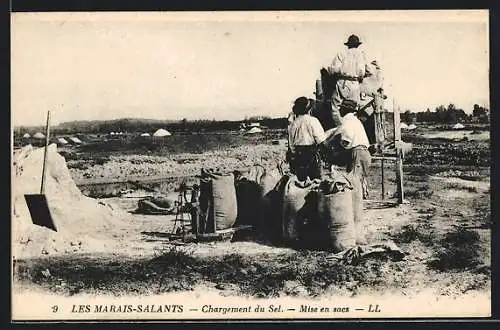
[(83, 224)]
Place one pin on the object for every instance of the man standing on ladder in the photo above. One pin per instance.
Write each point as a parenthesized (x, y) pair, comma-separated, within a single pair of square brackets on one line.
[(349, 68)]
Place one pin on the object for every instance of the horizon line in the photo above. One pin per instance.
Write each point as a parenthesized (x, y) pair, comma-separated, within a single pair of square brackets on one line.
[(389, 110)]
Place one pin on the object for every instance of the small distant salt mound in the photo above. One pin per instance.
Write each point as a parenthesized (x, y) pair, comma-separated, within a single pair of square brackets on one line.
[(62, 141), (458, 126), (82, 223), (145, 134), (161, 132), (254, 130), (412, 126), (75, 140), (39, 136), (403, 126)]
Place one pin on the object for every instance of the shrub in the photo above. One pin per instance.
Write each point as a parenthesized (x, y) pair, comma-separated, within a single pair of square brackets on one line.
[(410, 233), (460, 250)]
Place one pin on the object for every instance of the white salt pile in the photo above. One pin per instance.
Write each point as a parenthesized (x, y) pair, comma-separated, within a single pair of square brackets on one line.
[(83, 224)]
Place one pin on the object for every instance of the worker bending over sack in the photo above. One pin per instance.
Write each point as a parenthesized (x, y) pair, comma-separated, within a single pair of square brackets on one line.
[(306, 139), (352, 139)]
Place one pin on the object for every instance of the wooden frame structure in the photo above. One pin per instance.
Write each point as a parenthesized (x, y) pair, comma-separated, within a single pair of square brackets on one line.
[(390, 153)]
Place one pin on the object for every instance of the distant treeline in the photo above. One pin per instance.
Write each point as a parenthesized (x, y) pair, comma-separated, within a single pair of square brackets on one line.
[(149, 125), (447, 115), (440, 115)]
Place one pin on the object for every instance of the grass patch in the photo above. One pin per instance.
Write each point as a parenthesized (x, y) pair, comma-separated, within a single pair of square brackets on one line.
[(458, 186), (451, 153), (86, 161), (418, 192), (420, 171), (410, 233), (482, 211), (173, 270), (460, 249), (421, 178)]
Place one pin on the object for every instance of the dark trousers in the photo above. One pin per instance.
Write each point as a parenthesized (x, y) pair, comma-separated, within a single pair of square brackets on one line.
[(305, 162)]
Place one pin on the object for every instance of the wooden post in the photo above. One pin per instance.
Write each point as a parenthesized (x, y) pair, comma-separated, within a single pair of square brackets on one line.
[(397, 122), (44, 168), (318, 96), (319, 90), (399, 176), (399, 156), (383, 179), (195, 211), (377, 120), (384, 123)]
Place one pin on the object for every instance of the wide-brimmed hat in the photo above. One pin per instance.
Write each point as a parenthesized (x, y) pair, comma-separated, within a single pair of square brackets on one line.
[(353, 40), (301, 102), (302, 105)]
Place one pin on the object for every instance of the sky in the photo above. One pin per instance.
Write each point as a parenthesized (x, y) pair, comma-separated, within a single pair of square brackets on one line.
[(86, 66)]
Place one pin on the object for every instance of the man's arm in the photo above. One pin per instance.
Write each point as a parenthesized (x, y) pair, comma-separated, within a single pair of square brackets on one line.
[(317, 131), (368, 71), (334, 68), (346, 135), (365, 69), (290, 145)]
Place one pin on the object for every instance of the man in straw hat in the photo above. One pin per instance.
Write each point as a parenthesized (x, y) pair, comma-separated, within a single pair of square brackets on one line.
[(349, 67), (305, 139)]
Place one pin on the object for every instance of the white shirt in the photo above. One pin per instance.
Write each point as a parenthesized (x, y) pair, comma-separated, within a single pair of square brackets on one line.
[(353, 132), (351, 62), (305, 130), (291, 118)]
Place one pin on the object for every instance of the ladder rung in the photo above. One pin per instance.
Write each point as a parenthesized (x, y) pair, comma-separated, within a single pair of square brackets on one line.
[(384, 158)]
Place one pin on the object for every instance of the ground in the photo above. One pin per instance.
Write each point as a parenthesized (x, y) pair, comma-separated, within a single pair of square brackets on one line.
[(443, 230)]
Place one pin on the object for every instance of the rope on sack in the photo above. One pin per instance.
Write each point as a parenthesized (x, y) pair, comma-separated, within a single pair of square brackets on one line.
[(279, 165), (258, 176)]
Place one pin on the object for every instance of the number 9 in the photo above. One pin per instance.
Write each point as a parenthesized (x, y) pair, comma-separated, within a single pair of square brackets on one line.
[(55, 308)]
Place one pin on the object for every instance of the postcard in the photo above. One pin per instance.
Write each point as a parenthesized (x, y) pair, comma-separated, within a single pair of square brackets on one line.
[(250, 165)]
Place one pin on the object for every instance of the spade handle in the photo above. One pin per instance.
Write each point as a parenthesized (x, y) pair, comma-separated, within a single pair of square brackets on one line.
[(44, 169)]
